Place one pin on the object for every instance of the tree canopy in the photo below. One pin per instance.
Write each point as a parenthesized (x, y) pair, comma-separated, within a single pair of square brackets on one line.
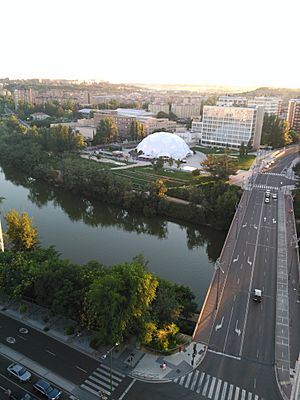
[(220, 166), (20, 230), (107, 132), (275, 132)]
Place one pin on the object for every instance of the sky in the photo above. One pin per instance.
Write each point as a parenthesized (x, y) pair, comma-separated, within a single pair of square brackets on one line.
[(208, 42)]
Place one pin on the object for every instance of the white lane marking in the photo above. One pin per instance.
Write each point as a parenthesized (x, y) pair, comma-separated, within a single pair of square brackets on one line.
[(254, 385), (255, 226), (126, 390), (224, 390), (244, 225), (22, 337), (218, 389), (188, 380), (103, 366), (96, 385), (236, 259), (249, 262), (107, 373), (81, 369), (50, 352), (231, 387), (207, 379), (197, 372), (225, 354), (95, 392), (238, 331), (237, 392), (243, 394), (226, 337), (242, 266), (200, 382), (219, 326), (238, 281), (249, 396), (212, 386), (181, 380), (103, 378)]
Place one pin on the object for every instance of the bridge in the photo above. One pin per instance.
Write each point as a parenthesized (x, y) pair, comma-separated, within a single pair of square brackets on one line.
[(256, 345)]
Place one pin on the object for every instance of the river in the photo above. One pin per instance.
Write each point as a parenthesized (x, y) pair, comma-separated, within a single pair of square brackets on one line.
[(83, 230)]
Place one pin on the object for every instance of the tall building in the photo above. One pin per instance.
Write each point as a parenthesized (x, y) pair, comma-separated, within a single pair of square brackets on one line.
[(186, 110), (293, 115), (157, 107), (231, 126), (271, 104), (26, 95)]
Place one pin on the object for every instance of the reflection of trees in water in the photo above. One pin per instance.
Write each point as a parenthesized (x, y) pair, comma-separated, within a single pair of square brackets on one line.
[(212, 239), (94, 213)]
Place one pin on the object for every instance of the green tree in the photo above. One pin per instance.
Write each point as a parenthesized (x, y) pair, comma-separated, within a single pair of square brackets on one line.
[(220, 166), (275, 132), (137, 130), (107, 132), (20, 231), (162, 114)]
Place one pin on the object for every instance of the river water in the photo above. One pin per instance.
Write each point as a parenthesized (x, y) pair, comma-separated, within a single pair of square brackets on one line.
[(83, 230)]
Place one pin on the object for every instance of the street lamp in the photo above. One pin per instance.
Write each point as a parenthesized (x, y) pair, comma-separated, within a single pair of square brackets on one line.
[(217, 269), (109, 352)]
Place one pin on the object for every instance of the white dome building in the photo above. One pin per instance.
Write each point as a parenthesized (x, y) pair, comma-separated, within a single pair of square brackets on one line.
[(164, 144)]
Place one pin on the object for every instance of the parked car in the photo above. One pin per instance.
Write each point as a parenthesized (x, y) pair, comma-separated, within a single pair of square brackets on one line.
[(26, 396), (19, 372), (47, 390)]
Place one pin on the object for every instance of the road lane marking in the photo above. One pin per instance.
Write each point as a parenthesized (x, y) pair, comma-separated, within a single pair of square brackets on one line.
[(254, 383), (249, 396), (81, 369), (238, 281), (219, 326), (197, 372), (249, 262), (243, 394), (224, 390), (231, 387), (206, 385), (226, 337), (22, 337), (218, 389), (220, 353), (238, 331), (241, 266), (212, 386), (188, 379), (200, 382), (50, 352), (236, 259), (127, 390)]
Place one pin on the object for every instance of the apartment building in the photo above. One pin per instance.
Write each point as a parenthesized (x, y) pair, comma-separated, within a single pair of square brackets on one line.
[(186, 110), (271, 104), (155, 108), (26, 95), (231, 126), (123, 122), (232, 101), (293, 115)]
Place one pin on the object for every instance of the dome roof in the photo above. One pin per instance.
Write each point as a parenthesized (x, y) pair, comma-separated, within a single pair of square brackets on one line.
[(164, 144)]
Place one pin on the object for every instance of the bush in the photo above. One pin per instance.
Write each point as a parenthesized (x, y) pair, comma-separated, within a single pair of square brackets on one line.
[(23, 308), (69, 330), (95, 343)]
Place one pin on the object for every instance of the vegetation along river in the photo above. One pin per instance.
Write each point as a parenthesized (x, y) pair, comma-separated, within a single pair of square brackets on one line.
[(83, 230)]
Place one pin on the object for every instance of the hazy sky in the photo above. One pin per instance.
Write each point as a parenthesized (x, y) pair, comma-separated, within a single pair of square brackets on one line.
[(230, 42)]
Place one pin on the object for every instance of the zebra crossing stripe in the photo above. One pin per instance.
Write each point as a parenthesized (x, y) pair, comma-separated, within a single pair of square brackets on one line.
[(212, 386), (96, 392), (113, 370), (101, 381), (249, 396), (224, 390), (237, 392), (230, 392), (181, 380), (102, 372), (195, 379), (243, 394), (206, 385), (218, 389), (97, 386), (200, 382), (188, 380)]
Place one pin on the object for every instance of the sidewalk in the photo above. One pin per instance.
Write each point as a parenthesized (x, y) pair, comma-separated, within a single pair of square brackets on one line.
[(128, 358)]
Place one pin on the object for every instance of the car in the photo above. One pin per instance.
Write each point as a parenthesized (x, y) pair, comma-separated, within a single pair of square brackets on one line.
[(26, 396), (267, 200), (19, 372), (47, 390), (267, 194), (274, 196), (257, 295)]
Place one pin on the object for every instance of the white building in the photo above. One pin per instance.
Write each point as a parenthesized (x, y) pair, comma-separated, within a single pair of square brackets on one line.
[(231, 126), (271, 104), (232, 101), (155, 108), (186, 110), (39, 116)]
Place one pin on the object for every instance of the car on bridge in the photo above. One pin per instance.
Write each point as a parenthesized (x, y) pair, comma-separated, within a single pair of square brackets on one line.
[(257, 295)]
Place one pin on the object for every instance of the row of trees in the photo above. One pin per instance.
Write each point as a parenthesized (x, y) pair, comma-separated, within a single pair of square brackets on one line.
[(114, 302), (276, 132), (107, 131)]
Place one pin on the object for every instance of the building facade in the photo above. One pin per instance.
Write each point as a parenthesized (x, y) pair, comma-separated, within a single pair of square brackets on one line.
[(155, 108), (231, 126), (293, 115), (271, 104), (232, 101)]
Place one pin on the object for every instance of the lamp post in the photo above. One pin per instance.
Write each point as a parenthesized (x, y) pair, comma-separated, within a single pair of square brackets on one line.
[(218, 268), (109, 352)]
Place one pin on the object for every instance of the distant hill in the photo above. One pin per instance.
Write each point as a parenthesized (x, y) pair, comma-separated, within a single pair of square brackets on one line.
[(284, 93)]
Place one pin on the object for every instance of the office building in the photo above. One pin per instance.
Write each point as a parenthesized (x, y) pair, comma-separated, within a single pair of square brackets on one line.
[(232, 101), (231, 126), (293, 115), (155, 108)]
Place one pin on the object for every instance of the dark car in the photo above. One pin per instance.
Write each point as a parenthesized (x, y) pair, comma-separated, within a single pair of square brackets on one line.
[(47, 390), (19, 372)]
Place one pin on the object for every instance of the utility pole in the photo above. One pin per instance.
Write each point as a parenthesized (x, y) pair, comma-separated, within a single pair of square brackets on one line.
[(295, 246), (109, 352)]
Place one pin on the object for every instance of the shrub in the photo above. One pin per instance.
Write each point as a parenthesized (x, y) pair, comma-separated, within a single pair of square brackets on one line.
[(94, 343), (69, 330), (23, 308)]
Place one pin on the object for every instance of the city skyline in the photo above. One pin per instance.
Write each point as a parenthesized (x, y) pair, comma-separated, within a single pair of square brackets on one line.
[(231, 44)]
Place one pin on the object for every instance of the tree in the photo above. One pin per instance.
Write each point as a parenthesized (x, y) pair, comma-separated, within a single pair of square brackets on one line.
[(137, 130), (275, 132), (295, 136), (220, 166), (107, 132), (162, 114), (242, 150), (20, 231)]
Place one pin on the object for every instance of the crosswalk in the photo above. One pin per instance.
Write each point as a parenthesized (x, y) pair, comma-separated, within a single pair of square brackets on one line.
[(275, 174), (258, 186), (102, 379), (211, 387)]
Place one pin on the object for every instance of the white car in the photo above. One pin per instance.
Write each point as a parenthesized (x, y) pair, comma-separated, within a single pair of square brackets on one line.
[(19, 372), (274, 196), (267, 200)]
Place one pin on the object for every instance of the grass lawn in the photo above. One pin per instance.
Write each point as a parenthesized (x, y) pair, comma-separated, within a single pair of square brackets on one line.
[(245, 162), (213, 150)]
